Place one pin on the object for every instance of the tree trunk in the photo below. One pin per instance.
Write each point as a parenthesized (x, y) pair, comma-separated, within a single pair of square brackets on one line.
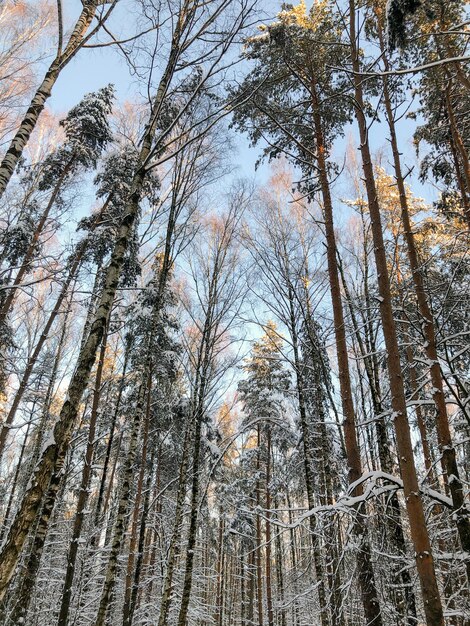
[(19, 467), (53, 456), (259, 567), (24, 593), (107, 458), (128, 608), (28, 124), (251, 587), (366, 574), (218, 617), (393, 522), (198, 406), (269, 598), (460, 511), (423, 431), (42, 339), (174, 549), (43, 426), (308, 464), (460, 149), (292, 545), (26, 263), (120, 524), (143, 547), (279, 561), (192, 532), (414, 504), (82, 494), (243, 580)]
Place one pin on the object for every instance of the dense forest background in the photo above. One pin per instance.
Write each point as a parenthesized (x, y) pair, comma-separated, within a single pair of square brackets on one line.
[(234, 313)]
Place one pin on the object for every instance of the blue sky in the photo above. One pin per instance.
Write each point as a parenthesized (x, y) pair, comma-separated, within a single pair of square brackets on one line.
[(94, 68)]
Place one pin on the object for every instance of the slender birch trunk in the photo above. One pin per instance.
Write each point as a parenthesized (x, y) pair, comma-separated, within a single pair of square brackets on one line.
[(258, 554), (192, 532), (202, 369), (42, 427), (24, 593), (53, 456), (109, 446), (143, 546), (174, 547), (82, 494), (293, 558), (219, 612), (279, 561), (19, 467), (308, 465), (269, 597), (26, 263), (43, 92), (251, 587), (128, 609), (124, 496), (74, 267)]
